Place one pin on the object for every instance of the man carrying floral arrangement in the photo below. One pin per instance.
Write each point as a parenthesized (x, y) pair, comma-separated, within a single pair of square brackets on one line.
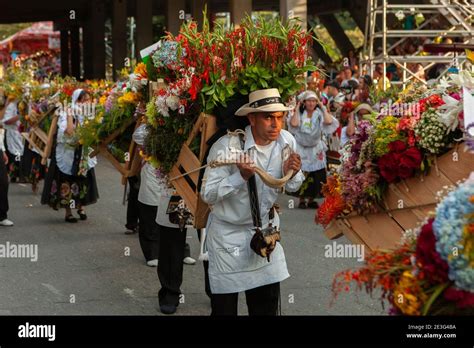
[(236, 264)]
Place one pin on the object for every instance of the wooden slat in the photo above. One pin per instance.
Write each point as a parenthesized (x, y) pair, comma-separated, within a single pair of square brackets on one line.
[(377, 230), (456, 170), (350, 233), (188, 161), (209, 128), (333, 231), (111, 137), (50, 140), (106, 153), (196, 129)]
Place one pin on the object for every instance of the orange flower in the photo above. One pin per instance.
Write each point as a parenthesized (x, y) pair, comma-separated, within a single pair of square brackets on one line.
[(140, 69)]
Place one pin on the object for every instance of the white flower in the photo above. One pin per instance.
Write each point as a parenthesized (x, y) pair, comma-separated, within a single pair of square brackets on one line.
[(448, 112), (173, 102), (463, 79), (400, 15), (161, 106)]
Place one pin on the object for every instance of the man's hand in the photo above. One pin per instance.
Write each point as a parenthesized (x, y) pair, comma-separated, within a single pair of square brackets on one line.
[(247, 168), (5, 158), (293, 162)]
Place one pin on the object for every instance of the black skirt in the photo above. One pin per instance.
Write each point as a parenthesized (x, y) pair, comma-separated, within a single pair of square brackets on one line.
[(14, 167), (63, 190), (31, 166)]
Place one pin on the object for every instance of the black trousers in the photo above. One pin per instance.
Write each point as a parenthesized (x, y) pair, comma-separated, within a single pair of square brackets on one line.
[(170, 268), (132, 206), (207, 285), (148, 231), (263, 300), (3, 188)]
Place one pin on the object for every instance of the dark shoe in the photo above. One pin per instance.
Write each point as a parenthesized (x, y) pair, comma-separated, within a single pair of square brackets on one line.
[(168, 309), (70, 218), (302, 205), (82, 214), (131, 230), (313, 204)]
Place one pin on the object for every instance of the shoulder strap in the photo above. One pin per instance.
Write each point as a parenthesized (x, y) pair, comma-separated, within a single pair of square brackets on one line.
[(253, 194)]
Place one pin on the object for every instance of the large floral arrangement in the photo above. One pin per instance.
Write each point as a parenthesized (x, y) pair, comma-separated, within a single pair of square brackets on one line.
[(432, 270), (204, 69), (114, 106), (401, 142)]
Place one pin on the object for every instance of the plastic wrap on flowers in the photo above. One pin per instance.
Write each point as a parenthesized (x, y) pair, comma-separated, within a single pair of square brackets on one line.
[(140, 134)]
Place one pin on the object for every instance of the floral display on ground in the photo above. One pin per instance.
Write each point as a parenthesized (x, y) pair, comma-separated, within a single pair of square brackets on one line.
[(432, 271), (401, 141)]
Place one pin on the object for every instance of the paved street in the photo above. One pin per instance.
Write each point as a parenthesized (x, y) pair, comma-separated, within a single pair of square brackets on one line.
[(86, 262)]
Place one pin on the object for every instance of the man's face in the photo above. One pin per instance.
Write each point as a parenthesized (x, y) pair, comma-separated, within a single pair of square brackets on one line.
[(332, 91), (266, 126), (347, 74)]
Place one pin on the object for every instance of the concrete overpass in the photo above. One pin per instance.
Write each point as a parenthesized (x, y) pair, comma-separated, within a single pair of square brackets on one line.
[(89, 17)]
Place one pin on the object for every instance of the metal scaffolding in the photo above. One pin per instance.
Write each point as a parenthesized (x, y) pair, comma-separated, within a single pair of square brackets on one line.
[(457, 13)]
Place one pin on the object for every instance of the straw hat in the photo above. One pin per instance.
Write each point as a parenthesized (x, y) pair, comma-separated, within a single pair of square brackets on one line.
[(310, 95), (363, 106), (263, 100)]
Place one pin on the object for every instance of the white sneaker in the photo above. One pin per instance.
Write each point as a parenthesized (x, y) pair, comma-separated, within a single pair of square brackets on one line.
[(6, 222), (152, 263), (189, 261)]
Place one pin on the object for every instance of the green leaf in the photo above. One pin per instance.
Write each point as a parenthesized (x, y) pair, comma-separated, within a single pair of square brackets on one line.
[(438, 290)]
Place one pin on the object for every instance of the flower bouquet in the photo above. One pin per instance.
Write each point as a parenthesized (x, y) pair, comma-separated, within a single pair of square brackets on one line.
[(398, 158), (431, 272), (109, 123), (207, 69)]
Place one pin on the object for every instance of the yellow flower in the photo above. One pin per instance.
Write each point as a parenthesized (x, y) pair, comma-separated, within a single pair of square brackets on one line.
[(408, 296), (128, 98), (140, 69), (102, 100)]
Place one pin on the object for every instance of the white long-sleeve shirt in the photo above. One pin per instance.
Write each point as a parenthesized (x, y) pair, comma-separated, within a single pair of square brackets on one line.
[(2, 137), (65, 152), (14, 140), (233, 265)]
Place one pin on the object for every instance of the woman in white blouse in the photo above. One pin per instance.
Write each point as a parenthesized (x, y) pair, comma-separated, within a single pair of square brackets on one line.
[(70, 182), (308, 127), (13, 139)]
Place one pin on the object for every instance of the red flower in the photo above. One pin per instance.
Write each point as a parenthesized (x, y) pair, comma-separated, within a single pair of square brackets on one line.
[(205, 76), (195, 87), (397, 146), (411, 158), (433, 101), (463, 299), (432, 265), (329, 209), (388, 166), (400, 162)]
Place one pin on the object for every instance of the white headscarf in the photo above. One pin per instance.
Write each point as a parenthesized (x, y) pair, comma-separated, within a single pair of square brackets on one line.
[(75, 95)]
